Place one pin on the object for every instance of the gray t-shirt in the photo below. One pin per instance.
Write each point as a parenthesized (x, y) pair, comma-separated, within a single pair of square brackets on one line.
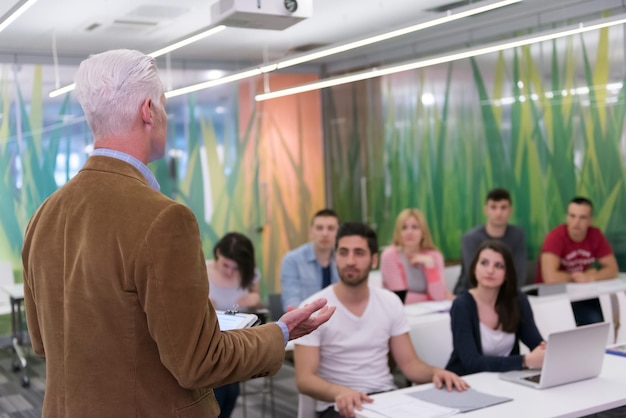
[(513, 237), (415, 277)]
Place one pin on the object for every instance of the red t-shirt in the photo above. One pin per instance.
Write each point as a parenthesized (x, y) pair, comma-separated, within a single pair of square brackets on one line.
[(574, 256)]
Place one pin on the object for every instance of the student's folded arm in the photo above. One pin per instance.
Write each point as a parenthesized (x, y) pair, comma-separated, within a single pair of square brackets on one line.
[(550, 269), (609, 269)]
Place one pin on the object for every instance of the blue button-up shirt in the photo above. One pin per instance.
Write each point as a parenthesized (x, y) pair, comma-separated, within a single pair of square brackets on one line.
[(301, 275), (107, 152)]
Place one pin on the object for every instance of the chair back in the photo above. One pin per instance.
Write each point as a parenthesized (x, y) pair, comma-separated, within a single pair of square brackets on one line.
[(306, 406), (552, 313), (275, 305), (451, 276), (432, 338)]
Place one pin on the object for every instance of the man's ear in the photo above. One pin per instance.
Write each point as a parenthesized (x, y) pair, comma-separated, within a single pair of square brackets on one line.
[(146, 111), (374, 261)]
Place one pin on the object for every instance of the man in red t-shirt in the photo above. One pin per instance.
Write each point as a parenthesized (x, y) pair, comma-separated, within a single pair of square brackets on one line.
[(570, 253), (570, 250)]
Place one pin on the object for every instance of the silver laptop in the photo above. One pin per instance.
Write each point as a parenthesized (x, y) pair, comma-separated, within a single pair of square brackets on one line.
[(571, 355)]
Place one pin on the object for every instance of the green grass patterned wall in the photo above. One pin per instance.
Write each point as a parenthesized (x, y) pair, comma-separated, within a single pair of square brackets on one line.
[(545, 121)]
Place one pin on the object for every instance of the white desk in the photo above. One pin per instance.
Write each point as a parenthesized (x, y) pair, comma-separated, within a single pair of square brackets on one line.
[(427, 308), (582, 291), (572, 400)]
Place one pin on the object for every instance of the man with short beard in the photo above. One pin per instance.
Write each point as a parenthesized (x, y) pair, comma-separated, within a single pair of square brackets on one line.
[(346, 359)]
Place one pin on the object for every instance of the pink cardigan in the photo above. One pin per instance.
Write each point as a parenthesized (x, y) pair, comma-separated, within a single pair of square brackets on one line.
[(394, 275)]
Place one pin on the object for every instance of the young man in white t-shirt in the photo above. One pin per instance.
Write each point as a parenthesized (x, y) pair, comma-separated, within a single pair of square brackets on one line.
[(347, 358)]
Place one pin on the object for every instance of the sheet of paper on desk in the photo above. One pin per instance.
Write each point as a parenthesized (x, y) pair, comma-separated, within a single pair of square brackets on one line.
[(403, 406), (426, 308), (463, 401)]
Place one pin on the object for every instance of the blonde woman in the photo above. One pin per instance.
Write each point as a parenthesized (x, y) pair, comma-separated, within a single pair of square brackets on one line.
[(413, 263)]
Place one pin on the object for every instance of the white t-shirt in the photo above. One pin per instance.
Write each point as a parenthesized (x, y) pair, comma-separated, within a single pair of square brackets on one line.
[(495, 342), (354, 350)]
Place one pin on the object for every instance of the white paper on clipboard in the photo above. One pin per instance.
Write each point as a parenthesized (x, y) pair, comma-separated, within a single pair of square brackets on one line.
[(229, 321)]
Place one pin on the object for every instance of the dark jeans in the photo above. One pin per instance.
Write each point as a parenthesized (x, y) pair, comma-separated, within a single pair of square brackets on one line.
[(587, 311), (227, 398)]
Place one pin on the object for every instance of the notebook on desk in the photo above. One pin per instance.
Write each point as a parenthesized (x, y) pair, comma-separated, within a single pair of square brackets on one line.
[(572, 355)]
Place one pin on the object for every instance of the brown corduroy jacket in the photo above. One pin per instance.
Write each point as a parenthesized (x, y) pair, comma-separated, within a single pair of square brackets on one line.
[(116, 297)]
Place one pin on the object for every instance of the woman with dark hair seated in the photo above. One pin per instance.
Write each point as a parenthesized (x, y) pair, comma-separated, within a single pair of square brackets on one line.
[(490, 319), (233, 284)]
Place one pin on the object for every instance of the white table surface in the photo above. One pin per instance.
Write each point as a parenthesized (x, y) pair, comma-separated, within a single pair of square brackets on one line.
[(581, 291), (607, 391), (16, 290), (427, 308)]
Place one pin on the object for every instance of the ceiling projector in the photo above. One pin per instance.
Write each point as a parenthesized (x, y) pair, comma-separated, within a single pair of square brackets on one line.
[(260, 14)]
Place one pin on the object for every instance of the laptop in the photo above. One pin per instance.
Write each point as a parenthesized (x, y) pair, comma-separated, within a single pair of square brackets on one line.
[(571, 355)]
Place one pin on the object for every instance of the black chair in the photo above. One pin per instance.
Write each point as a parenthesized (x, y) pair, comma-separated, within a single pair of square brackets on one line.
[(275, 305)]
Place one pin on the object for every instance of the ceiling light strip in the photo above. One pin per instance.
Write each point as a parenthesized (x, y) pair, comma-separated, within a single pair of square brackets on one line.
[(155, 54), (187, 41), (351, 45), (213, 83), (468, 53), (15, 12), (449, 17)]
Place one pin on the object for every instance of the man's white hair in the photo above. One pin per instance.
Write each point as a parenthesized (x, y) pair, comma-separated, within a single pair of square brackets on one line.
[(111, 87)]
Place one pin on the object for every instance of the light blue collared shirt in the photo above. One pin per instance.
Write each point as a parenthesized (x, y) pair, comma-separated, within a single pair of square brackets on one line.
[(301, 275), (107, 152)]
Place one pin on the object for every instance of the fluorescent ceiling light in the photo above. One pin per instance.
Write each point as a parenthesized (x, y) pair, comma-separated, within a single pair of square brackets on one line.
[(213, 83), (15, 12), (448, 17), (155, 54), (187, 41), (466, 53)]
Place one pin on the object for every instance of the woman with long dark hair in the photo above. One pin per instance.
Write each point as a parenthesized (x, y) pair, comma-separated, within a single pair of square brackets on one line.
[(233, 284), (233, 277), (489, 320)]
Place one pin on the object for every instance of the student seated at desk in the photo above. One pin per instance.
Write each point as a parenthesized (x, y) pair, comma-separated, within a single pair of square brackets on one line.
[(233, 283), (413, 263), (348, 358), (490, 319), (233, 277)]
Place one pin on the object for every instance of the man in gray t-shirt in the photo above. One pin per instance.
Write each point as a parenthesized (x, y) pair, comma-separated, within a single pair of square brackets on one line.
[(498, 208)]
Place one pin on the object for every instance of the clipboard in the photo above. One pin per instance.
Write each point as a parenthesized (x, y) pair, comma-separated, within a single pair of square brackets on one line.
[(230, 320)]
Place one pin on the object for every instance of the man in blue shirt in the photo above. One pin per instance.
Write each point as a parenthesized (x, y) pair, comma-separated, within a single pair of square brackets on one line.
[(311, 267)]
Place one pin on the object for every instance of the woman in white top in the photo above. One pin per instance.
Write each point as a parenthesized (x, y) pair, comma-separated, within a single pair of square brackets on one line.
[(233, 284), (490, 319)]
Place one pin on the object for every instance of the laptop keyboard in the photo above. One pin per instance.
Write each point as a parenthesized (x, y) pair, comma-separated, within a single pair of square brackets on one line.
[(534, 378)]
